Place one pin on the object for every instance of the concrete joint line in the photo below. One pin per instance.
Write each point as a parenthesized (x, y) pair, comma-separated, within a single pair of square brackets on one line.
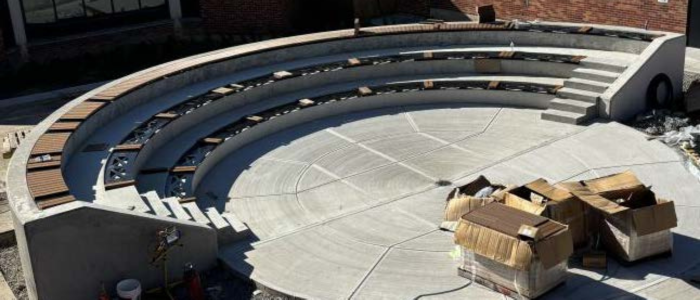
[(381, 258), (411, 121)]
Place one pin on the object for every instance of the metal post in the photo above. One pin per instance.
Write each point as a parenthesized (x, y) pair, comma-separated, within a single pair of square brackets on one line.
[(176, 15), (18, 29)]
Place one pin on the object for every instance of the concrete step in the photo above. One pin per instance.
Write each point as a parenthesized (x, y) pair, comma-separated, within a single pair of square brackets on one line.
[(127, 198), (575, 94), (193, 209), (574, 106), (586, 85), (153, 200), (603, 64), (240, 228), (595, 75), (176, 208), (224, 230), (564, 116)]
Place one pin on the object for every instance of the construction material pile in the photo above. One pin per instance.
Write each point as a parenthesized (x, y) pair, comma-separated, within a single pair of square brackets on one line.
[(519, 240)]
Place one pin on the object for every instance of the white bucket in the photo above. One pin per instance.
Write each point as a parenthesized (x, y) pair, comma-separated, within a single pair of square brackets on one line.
[(129, 289)]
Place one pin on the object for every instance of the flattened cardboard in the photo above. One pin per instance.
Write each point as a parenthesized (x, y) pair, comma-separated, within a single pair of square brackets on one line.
[(521, 204), (597, 202), (457, 207), (552, 192), (610, 186), (655, 218)]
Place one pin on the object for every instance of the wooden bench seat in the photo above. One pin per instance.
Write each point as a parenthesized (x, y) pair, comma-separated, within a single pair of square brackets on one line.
[(64, 126), (82, 111), (54, 201), (46, 182), (50, 143)]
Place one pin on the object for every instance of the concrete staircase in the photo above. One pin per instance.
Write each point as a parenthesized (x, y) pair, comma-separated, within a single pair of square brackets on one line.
[(228, 227), (577, 101)]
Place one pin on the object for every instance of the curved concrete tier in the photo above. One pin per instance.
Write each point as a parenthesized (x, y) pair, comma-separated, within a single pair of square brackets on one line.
[(345, 208), (120, 149)]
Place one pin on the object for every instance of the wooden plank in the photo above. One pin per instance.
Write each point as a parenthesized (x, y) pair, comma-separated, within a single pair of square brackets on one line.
[(364, 91), (119, 184), (168, 116), (306, 102), (82, 111), (223, 91), (50, 143), (54, 201), (64, 126), (215, 141), (128, 147), (188, 200), (46, 182), (44, 165), (184, 169)]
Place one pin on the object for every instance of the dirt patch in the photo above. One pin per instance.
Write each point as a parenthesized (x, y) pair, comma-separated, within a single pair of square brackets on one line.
[(11, 268)]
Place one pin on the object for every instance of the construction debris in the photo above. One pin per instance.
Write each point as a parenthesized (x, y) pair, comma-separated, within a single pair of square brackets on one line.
[(541, 198), (469, 197), (512, 251), (633, 223), (519, 242), (12, 141)]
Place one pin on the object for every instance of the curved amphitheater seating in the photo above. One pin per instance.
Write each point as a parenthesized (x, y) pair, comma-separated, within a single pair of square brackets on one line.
[(573, 73)]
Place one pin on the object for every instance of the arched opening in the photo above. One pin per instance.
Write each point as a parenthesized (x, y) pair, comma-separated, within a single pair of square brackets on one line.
[(660, 92)]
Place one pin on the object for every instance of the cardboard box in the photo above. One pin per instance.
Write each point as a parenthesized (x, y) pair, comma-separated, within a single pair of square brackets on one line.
[(632, 222), (461, 201), (541, 198), (496, 253)]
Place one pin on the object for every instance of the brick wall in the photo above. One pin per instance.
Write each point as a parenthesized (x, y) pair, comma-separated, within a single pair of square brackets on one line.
[(671, 16), (248, 16)]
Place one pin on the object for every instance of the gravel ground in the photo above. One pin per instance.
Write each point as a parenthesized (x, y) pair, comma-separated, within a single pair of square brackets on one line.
[(12, 271)]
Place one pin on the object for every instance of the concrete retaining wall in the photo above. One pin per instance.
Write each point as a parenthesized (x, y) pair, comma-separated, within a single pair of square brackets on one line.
[(383, 73), (484, 97), (84, 245), (628, 95)]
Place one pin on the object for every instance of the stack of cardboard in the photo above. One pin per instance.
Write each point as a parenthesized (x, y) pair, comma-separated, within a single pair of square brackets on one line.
[(512, 251), (517, 240), (543, 199), (631, 221), (464, 199)]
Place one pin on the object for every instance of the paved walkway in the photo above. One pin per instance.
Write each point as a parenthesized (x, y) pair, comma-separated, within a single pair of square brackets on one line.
[(349, 208)]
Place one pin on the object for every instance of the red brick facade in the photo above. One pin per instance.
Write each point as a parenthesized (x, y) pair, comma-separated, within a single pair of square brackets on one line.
[(248, 16), (670, 16)]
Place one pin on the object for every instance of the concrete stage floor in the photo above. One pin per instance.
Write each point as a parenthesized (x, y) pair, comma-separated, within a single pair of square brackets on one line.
[(348, 207)]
